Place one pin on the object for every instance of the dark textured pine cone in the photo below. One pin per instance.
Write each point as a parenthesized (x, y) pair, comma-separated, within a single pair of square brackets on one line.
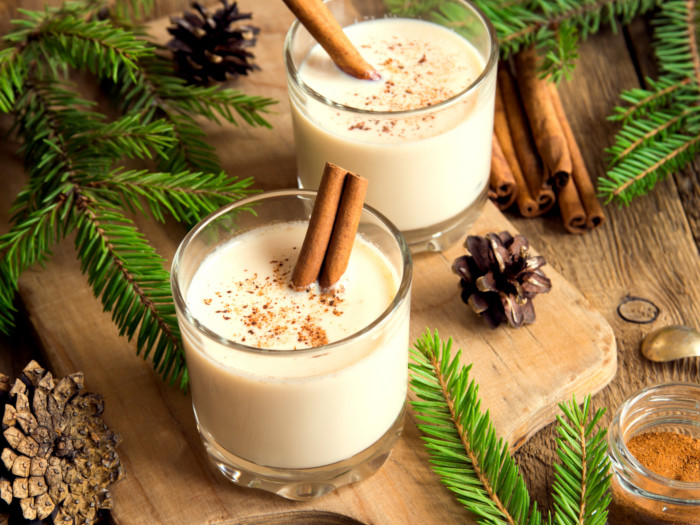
[(58, 454), (206, 46), (500, 278)]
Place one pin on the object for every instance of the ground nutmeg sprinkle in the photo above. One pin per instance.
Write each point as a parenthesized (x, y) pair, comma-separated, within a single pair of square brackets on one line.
[(257, 303)]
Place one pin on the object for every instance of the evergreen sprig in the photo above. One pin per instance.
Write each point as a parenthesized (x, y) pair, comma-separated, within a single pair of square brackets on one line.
[(73, 156), (660, 131), (477, 466)]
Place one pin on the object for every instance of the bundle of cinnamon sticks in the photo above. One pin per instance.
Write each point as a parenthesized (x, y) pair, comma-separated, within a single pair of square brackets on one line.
[(536, 162)]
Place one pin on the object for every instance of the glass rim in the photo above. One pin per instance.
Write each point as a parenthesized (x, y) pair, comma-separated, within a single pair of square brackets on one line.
[(491, 63), (181, 305), (622, 458)]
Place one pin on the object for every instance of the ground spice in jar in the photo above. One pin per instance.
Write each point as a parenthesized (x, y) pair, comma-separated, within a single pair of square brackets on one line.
[(672, 455), (669, 454)]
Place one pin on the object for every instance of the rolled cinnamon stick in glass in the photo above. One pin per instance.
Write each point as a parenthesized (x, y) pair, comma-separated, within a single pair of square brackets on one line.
[(318, 235), (502, 188), (526, 204), (546, 129), (582, 179), (523, 143), (315, 16), (343, 237), (330, 236)]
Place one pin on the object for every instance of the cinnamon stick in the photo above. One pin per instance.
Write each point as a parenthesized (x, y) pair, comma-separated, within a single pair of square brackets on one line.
[(546, 128), (502, 188), (315, 16), (521, 135), (582, 179), (347, 220), (526, 204), (572, 213), (318, 234)]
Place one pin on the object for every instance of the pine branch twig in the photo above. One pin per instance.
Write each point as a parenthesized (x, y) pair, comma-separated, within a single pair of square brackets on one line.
[(462, 440), (73, 155), (478, 468)]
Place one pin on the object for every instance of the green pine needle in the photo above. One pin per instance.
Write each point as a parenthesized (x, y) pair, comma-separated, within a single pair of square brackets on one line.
[(181, 195), (462, 438), (29, 242), (474, 464), (88, 45), (129, 277), (74, 154), (661, 124)]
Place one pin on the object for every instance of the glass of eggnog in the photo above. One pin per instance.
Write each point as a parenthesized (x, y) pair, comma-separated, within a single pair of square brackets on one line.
[(421, 133), (295, 391)]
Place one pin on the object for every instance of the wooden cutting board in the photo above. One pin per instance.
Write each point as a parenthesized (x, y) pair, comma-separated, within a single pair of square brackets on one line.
[(523, 373)]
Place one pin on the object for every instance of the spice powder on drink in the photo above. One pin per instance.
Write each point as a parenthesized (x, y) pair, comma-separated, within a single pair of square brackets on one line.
[(669, 454)]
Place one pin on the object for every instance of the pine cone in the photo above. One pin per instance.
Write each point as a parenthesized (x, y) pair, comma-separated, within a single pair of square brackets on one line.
[(207, 46), (500, 278), (58, 452)]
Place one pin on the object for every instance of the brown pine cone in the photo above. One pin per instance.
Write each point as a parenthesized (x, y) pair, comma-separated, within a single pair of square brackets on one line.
[(58, 453), (500, 278), (212, 46)]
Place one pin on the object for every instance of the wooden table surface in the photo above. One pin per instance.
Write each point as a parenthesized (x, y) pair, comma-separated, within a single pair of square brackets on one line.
[(648, 250)]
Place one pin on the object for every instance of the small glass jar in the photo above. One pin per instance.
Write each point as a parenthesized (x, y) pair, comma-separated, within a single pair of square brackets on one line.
[(640, 496)]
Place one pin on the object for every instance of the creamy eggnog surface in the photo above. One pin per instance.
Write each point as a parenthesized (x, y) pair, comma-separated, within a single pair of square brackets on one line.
[(420, 64), (292, 406), (243, 292), (425, 167)]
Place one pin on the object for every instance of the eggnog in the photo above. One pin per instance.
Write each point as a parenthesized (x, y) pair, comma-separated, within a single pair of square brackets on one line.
[(421, 134), (286, 379)]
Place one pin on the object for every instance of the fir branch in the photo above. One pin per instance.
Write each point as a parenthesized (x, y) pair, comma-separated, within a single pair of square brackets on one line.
[(661, 93), (48, 115), (479, 469), (462, 440), (661, 125), (675, 42), (158, 93), (180, 195), (656, 126), (82, 44), (29, 242), (560, 53), (127, 10), (213, 102), (70, 152), (639, 172), (128, 276), (128, 136), (12, 75), (582, 480)]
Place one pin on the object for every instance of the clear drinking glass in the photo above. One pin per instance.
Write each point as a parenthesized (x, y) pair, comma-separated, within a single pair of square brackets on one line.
[(640, 496), (298, 423), (431, 178)]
